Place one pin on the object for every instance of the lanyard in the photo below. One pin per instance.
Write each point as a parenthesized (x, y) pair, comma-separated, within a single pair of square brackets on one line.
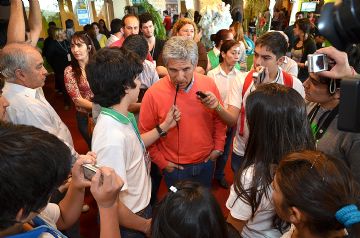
[(324, 121), (121, 118), (153, 50), (64, 47)]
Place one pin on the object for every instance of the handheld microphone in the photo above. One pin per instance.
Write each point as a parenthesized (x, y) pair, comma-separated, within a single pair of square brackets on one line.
[(177, 90), (178, 135)]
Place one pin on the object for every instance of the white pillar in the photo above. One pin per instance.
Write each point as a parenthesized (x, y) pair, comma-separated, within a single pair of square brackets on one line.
[(119, 6), (294, 10)]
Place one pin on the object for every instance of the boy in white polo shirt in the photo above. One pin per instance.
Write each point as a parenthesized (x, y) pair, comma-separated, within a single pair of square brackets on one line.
[(270, 50), (116, 140)]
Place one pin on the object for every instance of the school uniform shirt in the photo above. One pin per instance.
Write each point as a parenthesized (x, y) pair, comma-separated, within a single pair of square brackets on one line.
[(260, 225), (117, 146), (223, 81), (235, 99)]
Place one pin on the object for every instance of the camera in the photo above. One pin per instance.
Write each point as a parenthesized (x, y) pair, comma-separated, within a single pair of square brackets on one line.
[(340, 23), (89, 170), (4, 2), (317, 63), (259, 76)]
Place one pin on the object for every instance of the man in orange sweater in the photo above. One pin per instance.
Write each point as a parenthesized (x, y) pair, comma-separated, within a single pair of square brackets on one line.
[(188, 151)]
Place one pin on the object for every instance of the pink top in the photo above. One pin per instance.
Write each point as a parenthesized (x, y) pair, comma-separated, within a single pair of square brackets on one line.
[(77, 88), (118, 43)]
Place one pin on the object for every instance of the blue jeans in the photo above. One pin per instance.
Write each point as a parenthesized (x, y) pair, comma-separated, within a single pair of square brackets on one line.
[(202, 173), (236, 162), (221, 161), (129, 233), (82, 123)]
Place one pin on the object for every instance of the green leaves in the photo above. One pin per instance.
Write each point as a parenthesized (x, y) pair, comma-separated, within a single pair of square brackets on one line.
[(160, 31)]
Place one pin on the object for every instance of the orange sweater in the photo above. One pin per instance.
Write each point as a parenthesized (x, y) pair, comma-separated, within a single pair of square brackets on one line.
[(199, 131)]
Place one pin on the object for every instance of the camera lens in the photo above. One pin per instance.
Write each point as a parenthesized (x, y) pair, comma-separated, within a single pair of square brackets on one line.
[(340, 23)]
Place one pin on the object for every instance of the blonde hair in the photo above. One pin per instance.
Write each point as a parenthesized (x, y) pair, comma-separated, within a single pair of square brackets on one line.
[(239, 32), (57, 33), (182, 22)]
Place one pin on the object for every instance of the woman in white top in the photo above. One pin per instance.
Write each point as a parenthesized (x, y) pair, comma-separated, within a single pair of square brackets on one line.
[(278, 124), (318, 195), (223, 75)]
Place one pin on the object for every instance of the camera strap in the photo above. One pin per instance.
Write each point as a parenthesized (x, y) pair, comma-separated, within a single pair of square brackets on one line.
[(324, 121)]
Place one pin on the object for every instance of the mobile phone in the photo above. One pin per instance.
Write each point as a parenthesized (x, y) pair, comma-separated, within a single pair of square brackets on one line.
[(89, 170), (201, 94)]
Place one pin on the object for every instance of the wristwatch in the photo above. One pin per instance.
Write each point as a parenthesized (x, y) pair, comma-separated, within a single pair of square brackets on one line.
[(161, 132), (219, 152)]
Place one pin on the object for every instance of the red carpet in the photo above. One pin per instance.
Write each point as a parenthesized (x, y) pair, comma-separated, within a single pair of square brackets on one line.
[(89, 227)]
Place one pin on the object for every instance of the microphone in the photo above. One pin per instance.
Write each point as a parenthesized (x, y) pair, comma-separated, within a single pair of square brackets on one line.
[(177, 90)]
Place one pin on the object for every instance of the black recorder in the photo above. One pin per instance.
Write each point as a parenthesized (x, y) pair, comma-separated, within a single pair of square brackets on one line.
[(201, 94), (259, 76)]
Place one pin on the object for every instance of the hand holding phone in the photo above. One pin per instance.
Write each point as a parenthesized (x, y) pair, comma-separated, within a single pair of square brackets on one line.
[(89, 170), (201, 94)]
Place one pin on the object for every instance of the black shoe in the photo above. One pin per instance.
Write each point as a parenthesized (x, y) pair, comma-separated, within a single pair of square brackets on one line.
[(222, 182)]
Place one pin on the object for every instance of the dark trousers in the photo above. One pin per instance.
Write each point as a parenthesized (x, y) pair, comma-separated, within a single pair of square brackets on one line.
[(129, 233), (236, 162), (201, 172), (156, 177), (60, 85), (82, 123), (221, 161)]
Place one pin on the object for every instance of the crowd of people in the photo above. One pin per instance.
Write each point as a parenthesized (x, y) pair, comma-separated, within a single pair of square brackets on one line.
[(173, 110)]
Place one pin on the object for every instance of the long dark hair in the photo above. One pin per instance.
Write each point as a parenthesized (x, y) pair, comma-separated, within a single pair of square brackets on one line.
[(221, 35), (192, 211), (319, 186), (103, 29), (278, 124), (83, 37)]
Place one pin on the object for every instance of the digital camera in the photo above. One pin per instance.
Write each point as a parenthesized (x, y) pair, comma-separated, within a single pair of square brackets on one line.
[(317, 63)]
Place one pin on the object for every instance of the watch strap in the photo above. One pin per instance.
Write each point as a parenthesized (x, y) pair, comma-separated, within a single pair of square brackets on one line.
[(160, 131)]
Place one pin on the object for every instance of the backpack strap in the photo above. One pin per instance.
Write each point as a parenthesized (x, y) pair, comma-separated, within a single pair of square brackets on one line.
[(247, 84), (288, 82), (288, 79)]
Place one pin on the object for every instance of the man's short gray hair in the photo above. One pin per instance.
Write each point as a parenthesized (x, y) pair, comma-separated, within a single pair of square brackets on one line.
[(180, 48), (12, 57)]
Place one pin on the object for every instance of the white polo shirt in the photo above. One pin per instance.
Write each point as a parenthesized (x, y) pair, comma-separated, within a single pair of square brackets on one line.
[(117, 146), (290, 66)]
